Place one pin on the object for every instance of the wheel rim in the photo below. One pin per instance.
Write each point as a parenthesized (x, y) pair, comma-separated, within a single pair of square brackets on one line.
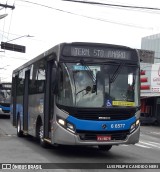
[(41, 133)]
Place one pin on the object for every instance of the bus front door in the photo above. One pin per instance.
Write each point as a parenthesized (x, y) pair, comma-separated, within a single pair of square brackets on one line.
[(49, 100), (25, 102), (14, 99)]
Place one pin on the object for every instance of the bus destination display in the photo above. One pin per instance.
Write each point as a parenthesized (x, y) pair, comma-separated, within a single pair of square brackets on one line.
[(2, 85), (98, 52)]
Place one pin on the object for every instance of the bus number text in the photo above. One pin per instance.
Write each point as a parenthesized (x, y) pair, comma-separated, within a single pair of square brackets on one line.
[(117, 125)]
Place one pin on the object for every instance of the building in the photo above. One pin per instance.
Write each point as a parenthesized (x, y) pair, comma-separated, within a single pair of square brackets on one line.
[(150, 81), (150, 92), (152, 42)]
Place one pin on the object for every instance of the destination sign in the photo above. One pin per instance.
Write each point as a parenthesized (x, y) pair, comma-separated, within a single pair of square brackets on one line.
[(111, 53), (6, 86)]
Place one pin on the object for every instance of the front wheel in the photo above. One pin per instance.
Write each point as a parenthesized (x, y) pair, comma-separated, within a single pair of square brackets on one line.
[(105, 147), (41, 136), (19, 131)]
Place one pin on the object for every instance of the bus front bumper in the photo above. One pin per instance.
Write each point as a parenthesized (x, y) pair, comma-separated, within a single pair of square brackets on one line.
[(65, 137), (4, 112)]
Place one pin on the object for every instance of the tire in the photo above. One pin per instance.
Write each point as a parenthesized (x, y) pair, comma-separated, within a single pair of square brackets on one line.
[(105, 147), (19, 131), (43, 143)]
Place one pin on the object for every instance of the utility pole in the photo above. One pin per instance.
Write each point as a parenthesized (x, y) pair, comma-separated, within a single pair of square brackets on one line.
[(7, 6)]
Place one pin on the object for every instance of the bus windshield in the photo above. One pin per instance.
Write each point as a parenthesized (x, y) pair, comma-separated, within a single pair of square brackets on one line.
[(5, 95), (98, 85)]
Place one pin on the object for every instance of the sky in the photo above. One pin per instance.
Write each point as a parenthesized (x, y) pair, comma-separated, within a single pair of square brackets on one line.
[(51, 22)]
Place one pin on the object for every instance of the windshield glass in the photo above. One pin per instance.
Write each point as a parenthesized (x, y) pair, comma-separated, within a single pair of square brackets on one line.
[(5, 94), (98, 85)]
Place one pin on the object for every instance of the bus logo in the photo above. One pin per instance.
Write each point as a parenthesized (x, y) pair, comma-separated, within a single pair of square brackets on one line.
[(104, 126), (104, 117)]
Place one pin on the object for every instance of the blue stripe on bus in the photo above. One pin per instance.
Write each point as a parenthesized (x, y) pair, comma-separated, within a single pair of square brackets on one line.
[(5, 108), (97, 125)]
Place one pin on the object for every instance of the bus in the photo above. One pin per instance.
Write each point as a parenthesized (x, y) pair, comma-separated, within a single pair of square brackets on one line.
[(79, 94), (5, 98)]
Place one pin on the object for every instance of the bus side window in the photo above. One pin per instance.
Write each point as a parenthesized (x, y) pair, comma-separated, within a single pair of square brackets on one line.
[(41, 81), (64, 88), (41, 76), (37, 78), (32, 80), (20, 83)]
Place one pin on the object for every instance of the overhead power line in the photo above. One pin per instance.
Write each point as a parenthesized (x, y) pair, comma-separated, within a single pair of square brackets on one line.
[(7, 6), (113, 5), (89, 17)]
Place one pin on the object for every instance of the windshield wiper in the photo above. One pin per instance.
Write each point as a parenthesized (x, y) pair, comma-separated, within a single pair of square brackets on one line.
[(89, 71), (116, 73), (87, 89), (114, 76), (91, 75)]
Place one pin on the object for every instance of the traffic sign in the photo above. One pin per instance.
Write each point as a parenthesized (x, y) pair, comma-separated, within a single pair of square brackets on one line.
[(13, 47)]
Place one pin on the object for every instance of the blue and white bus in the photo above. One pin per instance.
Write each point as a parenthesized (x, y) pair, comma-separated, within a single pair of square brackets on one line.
[(5, 98), (79, 94)]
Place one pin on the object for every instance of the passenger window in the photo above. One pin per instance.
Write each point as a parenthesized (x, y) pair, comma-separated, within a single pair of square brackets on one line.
[(64, 88), (20, 83), (41, 77), (37, 78), (32, 80)]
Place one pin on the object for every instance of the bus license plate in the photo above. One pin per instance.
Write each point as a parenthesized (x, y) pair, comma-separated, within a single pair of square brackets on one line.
[(103, 138)]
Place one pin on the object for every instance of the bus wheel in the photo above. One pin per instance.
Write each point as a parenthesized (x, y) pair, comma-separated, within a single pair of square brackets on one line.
[(41, 137), (19, 131), (105, 147)]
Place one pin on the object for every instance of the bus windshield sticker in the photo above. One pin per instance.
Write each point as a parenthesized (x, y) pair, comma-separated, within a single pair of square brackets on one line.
[(78, 67), (109, 103), (123, 103)]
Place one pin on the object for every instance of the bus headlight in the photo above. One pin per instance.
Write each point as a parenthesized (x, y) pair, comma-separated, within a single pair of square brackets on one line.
[(61, 122), (70, 126), (65, 124), (134, 126), (137, 122)]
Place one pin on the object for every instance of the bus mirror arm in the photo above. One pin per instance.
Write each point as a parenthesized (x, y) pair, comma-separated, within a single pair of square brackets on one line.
[(94, 89)]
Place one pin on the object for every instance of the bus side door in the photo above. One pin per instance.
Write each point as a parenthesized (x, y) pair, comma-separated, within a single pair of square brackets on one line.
[(25, 101), (49, 99)]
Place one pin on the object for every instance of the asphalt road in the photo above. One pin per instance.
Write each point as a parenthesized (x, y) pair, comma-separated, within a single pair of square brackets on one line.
[(27, 150)]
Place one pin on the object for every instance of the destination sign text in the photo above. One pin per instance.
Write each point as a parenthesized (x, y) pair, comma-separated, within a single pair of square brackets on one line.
[(101, 53)]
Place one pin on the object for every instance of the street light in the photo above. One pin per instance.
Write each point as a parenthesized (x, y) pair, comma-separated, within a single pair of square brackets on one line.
[(14, 47), (19, 38)]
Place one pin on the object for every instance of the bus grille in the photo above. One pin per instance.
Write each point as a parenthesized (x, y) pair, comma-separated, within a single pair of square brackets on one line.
[(6, 111), (103, 115), (92, 136)]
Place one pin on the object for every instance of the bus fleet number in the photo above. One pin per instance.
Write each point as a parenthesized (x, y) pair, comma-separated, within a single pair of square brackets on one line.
[(117, 125)]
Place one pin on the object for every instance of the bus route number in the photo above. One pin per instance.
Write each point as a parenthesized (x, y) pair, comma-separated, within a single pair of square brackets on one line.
[(117, 125)]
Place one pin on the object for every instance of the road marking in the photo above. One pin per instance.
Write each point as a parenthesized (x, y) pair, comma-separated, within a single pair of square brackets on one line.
[(153, 144), (146, 144), (138, 144), (143, 146), (156, 133)]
